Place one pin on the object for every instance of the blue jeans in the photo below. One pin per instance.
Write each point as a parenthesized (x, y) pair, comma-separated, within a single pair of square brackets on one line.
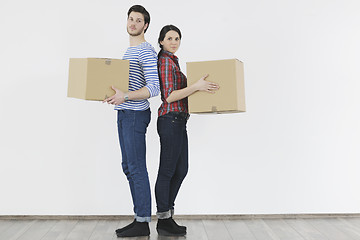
[(132, 127), (173, 161)]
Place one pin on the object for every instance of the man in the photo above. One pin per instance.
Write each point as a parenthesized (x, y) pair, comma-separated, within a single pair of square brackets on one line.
[(134, 117)]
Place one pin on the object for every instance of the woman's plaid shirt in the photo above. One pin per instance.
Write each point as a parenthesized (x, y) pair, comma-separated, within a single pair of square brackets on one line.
[(171, 78)]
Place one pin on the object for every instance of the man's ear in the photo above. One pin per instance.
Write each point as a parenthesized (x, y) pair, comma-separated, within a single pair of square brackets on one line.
[(146, 26)]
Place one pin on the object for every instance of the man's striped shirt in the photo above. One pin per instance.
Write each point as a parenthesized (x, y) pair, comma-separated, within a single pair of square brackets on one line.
[(142, 73)]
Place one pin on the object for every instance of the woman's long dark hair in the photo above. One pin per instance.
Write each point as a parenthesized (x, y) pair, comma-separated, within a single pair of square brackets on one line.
[(163, 32)]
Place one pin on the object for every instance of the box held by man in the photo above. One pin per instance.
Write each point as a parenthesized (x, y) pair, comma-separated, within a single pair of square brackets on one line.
[(92, 78)]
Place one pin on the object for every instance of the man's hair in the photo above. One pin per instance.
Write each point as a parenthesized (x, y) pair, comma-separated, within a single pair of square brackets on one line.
[(142, 10)]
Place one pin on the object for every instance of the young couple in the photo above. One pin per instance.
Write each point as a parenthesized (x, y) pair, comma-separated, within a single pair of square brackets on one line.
[(148, 76)]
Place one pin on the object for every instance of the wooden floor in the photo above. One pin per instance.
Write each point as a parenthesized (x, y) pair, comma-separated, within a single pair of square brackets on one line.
[(336, 228)]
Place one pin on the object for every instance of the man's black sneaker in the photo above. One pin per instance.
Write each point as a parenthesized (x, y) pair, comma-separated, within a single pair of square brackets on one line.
[(126, 227), (137, 230)]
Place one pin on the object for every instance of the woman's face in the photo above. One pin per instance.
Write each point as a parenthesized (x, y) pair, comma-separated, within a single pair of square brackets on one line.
[(171, 42)]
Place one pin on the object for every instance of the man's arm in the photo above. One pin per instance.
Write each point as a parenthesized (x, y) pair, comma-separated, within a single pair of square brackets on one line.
[(148, 60), (119, 96)]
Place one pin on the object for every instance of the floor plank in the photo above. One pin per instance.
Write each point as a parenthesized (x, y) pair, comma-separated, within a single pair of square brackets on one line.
[(260, 230), (355, 222), (60, 230), (352, 231), (335, 228), (195, 229), (216, 229), (16, 229), (305, 229), (328, 229), (5, 224), (239, 230), (104, 230), (283, 230), (37, 230), (82, 230)]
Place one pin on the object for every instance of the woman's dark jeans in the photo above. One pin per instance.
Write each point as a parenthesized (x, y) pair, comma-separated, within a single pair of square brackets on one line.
[(173, 161)]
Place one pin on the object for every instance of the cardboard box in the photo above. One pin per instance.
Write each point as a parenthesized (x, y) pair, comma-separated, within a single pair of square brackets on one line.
[(229, 74), (92, 78)]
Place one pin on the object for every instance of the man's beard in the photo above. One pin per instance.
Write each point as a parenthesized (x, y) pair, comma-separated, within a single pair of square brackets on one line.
[(135, 34)]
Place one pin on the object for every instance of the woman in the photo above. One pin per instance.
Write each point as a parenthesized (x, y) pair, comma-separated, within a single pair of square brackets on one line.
[(171, 125)]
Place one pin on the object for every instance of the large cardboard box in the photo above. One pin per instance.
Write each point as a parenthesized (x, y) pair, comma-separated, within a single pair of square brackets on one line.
[(229, 74), (92, 78)]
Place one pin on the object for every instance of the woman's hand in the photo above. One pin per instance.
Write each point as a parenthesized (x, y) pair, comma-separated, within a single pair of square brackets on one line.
[(206, 86), (117, 98)]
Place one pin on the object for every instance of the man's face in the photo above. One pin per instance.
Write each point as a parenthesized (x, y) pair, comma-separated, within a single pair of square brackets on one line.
[(136, 24)]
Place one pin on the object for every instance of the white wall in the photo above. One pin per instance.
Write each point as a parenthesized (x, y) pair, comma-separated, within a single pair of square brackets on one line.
[(295, 150)]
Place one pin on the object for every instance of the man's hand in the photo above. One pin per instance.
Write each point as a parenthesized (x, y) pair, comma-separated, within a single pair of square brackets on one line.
[(117, 98)]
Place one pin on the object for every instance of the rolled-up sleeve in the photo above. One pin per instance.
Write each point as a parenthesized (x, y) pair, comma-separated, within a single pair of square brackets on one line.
[(148, 61)]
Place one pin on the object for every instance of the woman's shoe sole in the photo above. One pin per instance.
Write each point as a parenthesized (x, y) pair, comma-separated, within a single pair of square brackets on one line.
[(163, 232)]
